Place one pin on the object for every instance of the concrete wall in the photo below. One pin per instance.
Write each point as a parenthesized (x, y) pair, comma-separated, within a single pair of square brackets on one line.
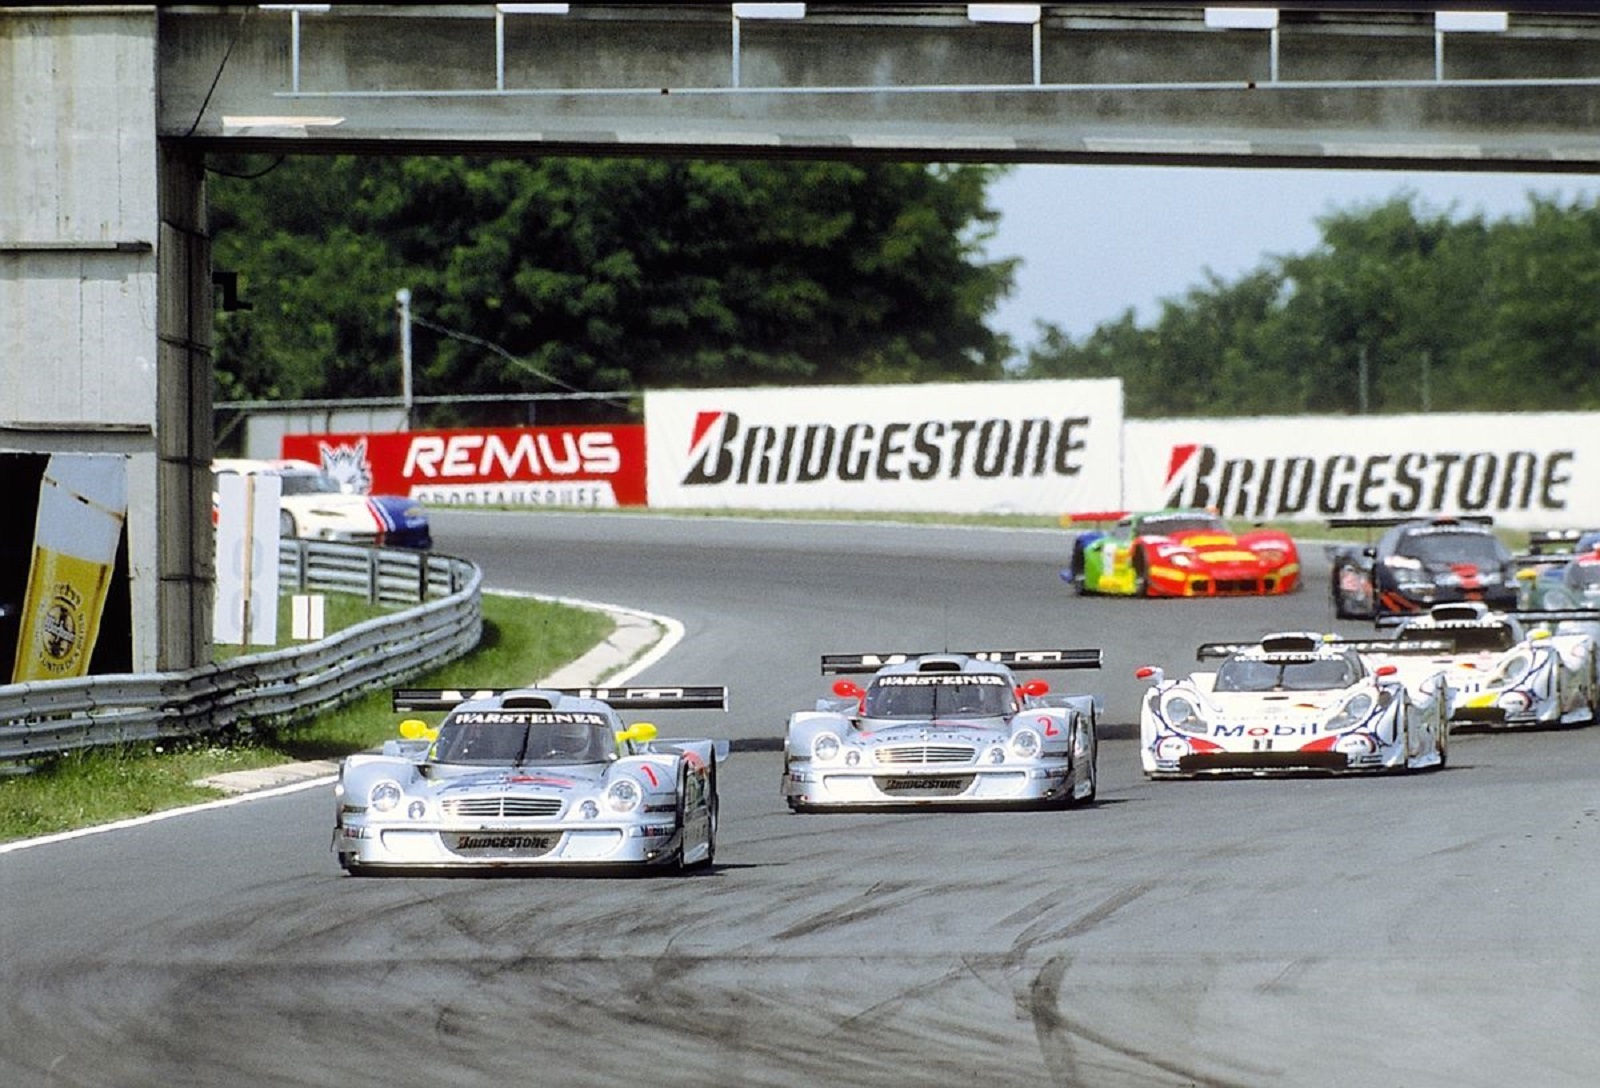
[(104, 293)]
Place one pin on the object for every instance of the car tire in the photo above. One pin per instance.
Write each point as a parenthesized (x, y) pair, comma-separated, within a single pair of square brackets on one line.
[(1094, 772), (1340, 609), (1076, 569), (713, 807), (1141, 575), (681, 830)]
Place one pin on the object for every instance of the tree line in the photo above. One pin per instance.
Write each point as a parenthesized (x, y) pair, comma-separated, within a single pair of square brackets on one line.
[(598, 275)]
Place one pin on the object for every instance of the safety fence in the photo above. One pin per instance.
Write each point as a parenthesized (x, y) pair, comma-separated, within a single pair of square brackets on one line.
[(46, 717)]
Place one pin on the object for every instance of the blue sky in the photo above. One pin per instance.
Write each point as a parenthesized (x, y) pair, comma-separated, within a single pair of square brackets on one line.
[(1096, 240)]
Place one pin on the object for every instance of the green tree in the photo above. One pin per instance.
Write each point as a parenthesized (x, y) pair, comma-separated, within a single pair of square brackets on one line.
[(604, 274), (1397, 309)]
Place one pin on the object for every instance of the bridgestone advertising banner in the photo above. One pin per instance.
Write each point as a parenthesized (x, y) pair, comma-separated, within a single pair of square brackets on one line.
[(600, 466), (1535, 470), (991, 447)]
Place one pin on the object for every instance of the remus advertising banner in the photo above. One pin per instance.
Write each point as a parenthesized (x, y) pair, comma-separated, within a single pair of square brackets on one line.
[(1526, 471), (991, 447), (592, 465)]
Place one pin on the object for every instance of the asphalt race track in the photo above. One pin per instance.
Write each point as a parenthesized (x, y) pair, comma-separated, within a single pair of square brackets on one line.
[(1426, 930)]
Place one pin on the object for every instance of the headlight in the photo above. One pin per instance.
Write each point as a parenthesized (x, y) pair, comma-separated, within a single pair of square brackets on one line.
[(825, 747), (1182, 560), (385, 796), (1182, 714), (624, 795), (1025, 744), (1509, 671), (417, 809), (1354, 712)]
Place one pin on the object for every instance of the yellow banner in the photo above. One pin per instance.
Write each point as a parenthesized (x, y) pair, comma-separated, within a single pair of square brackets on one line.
[(60, 616)]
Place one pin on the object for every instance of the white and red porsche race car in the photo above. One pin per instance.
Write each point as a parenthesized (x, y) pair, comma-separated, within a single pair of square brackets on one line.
[(1513, 668), (1294, 702)]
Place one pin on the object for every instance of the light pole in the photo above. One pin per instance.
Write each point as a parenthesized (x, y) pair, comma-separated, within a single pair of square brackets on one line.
[(403, 297)]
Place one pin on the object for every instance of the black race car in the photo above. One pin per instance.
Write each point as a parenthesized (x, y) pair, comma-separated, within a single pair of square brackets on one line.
[(1420, 562)]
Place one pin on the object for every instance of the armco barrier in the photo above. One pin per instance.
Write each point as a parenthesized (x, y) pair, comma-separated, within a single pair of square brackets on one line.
[(42, 718)]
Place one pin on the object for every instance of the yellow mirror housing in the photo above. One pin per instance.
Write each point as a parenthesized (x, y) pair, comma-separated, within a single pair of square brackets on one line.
[(638, 733), (417, 729)]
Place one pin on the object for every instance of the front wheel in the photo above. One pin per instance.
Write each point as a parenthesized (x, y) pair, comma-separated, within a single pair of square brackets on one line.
[(1141, 575), (1094, 770)]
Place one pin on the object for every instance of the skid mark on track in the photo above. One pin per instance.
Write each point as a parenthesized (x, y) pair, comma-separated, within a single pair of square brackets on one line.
[(1060, 1038), (873, 902)]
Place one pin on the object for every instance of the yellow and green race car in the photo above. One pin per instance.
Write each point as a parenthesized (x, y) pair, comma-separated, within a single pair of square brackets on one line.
[(1179, 553)]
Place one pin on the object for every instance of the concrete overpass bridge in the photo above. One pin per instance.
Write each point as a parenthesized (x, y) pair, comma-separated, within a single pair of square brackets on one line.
[(107, 115)]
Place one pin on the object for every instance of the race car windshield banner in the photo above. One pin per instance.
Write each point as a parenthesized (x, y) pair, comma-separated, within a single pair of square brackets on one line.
[(992, 447), (1523, 470), (598, 466)]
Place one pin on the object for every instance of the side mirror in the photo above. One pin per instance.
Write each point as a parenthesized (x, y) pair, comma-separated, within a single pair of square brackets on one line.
[(1035, 688), (847, 689), (638, 733), (417, 729)]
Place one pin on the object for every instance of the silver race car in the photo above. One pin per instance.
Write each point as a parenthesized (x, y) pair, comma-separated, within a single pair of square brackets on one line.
[(532, 777), (1517, 668), (944, 729), (1294, 702)]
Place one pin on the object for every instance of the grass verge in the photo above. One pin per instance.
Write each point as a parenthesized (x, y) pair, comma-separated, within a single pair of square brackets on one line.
[(522, 639)]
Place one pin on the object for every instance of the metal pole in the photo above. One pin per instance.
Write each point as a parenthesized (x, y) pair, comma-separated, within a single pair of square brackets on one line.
[(403, 297)]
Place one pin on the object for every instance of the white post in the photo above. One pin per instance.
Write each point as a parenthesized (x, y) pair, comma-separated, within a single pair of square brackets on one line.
[(403, 297)]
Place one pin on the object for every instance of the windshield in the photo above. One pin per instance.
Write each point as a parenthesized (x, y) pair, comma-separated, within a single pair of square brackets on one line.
[(959, 695), (308, 483), (1255, 674), (1583, 575), (1477, 548), (503, 738)]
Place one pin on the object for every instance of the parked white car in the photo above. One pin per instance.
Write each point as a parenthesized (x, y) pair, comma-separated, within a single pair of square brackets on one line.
[(314, 506)]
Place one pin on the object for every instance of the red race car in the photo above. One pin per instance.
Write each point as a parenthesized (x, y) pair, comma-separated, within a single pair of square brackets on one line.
[(1179, 553)]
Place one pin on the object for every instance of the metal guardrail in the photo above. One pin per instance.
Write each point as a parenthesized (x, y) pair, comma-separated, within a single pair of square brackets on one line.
[(47, 717)]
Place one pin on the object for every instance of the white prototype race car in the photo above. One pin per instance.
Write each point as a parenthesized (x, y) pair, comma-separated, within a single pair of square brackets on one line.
[(944, 729), (1519, 668), (1294, 702), (532, 777)]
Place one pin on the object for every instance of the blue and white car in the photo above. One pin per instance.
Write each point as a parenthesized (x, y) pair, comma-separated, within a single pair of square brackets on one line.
[(532, 777), (1294, 702), (312, 505), (945, 729), (1517, 668)]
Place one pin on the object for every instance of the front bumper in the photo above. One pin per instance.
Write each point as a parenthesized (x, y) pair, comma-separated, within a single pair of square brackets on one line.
[(809, 785), (431, 846)]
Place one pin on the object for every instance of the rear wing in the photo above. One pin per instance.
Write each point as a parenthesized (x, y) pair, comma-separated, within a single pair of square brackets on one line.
[(1014, 659), (1544, 542), (700, 697), (1557, 615), (1391, 522), (1213, 650)]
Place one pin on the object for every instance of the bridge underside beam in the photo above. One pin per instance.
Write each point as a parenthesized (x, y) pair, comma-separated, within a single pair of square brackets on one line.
[(1114, 84)]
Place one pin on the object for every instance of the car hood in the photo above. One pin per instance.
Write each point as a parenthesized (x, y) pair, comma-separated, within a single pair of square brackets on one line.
[(502, 781)]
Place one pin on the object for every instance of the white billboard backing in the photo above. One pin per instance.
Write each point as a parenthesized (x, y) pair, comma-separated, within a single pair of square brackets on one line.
[(1533, 470), (990, 447)]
